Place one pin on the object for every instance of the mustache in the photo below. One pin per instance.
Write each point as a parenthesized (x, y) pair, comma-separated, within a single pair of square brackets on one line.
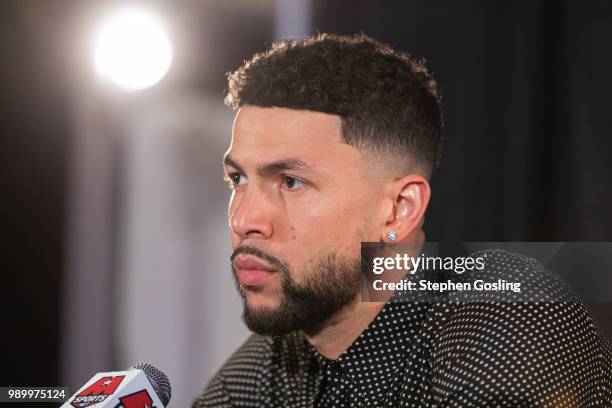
[(251, 250)]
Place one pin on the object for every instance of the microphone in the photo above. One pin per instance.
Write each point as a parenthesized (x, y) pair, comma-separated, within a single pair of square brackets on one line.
[(140, 386)]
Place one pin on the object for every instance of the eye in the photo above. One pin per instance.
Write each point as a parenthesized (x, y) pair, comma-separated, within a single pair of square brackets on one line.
[(234, 179), (292, 183)]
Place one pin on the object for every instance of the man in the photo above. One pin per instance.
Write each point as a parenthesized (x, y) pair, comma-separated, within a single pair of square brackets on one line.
[(333, 144)]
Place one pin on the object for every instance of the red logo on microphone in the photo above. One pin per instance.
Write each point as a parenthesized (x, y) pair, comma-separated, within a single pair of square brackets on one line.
[(140, 399), (97, 392)]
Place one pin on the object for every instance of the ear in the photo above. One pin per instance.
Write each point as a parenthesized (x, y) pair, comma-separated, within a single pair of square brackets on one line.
[(407, 199)]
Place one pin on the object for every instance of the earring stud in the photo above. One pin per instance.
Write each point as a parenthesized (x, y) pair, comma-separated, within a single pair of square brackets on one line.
[(391, 235)]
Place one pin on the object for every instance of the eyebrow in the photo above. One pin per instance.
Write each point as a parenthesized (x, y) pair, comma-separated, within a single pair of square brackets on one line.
[(273, 167)]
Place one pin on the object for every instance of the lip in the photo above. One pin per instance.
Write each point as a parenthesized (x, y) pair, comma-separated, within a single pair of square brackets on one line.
[(251, 262), (252, 271)]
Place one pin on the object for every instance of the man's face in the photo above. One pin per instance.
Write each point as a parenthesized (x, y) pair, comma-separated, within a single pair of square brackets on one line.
[(301, 203)]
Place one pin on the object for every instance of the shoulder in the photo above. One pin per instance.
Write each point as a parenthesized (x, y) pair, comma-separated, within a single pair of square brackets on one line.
[(536, 282), (543, 310), (250, 376), (237, 379), (540, 307), (541, 341)]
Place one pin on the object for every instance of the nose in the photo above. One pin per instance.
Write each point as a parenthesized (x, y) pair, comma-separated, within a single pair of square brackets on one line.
[(250, 214)]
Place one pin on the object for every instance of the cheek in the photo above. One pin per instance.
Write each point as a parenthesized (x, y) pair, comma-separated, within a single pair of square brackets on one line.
[(233, 202), (230, 212), (331, 224), (317, 230)]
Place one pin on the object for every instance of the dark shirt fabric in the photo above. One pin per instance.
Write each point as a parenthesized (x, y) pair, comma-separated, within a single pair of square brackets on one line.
[(449, 352)]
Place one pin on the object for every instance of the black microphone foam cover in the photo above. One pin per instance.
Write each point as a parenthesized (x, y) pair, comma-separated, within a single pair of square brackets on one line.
[(158, 380)]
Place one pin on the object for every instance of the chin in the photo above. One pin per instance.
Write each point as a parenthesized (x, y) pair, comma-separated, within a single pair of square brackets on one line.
[(258, 301)]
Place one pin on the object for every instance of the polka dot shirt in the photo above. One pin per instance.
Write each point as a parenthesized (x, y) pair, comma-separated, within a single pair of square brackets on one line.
[(451, 352)]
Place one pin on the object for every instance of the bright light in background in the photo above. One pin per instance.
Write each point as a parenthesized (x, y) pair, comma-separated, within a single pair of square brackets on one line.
[(133, 50)]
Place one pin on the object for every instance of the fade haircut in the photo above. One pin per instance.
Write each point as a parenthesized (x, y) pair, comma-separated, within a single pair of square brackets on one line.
[(387, 101)]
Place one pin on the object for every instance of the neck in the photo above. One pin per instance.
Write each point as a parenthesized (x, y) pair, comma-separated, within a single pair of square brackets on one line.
[(347, 325), (344, 328)]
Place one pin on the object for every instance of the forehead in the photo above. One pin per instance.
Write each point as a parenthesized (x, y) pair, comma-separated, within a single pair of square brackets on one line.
[(280, 133)]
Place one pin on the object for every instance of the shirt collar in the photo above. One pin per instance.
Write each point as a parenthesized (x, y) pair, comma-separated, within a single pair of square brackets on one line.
[(374, 358)]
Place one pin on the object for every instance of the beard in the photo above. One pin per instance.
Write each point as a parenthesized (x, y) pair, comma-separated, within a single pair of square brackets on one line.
[(330, 284)]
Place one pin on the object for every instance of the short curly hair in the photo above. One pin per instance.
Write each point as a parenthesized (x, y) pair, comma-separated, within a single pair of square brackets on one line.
[(387, 101)]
